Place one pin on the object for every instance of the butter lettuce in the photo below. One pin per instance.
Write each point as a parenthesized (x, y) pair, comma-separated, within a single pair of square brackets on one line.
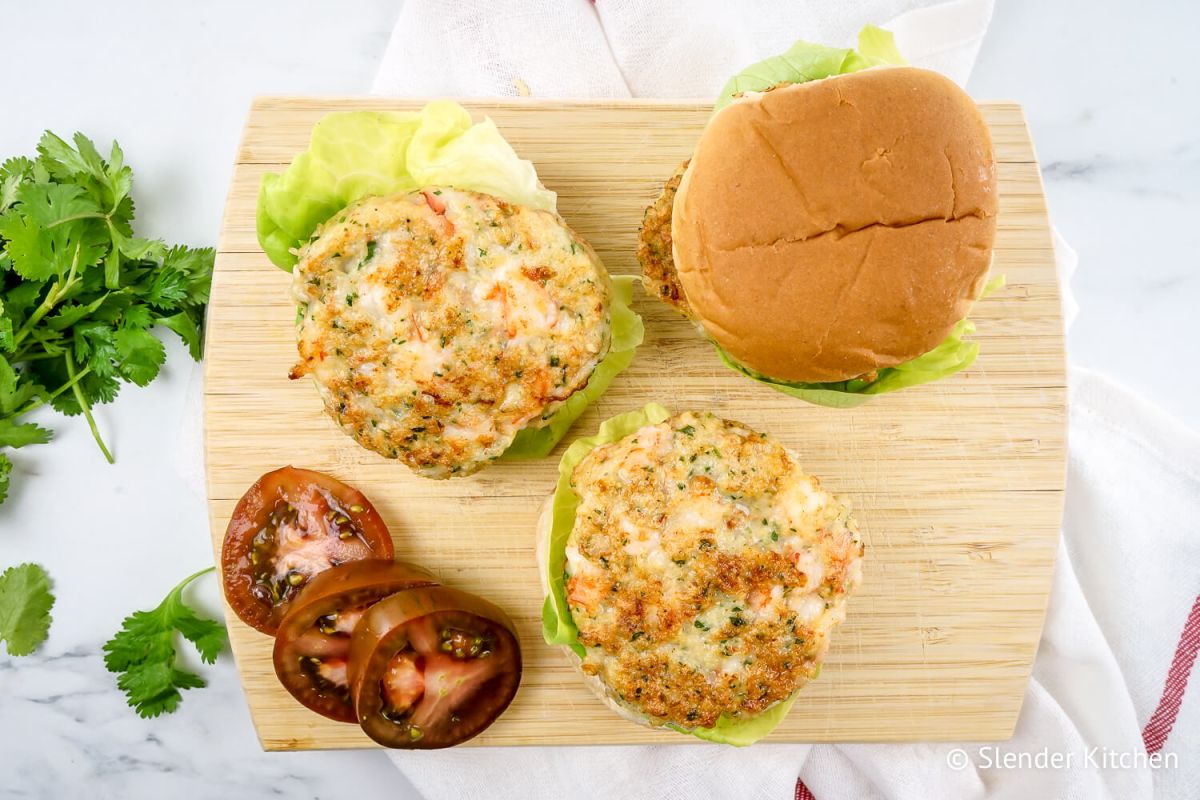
[(804, 62), (953, 355), (360, 153), (742, 732), (627, 333), (558, 628), (949, 357)]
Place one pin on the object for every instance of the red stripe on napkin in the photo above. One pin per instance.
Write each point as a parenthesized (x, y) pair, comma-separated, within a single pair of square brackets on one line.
[(802, 791), (1155, 734)]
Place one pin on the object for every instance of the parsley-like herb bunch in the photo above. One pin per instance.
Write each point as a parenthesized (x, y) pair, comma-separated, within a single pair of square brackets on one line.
[(79, 292), (143, 652)]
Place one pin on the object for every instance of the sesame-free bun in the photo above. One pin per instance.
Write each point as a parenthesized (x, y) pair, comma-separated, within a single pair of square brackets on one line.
[(828, 229)]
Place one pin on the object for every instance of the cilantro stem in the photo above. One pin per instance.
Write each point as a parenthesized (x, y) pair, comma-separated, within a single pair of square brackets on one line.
[(86, 407), (184, 583), (28, 355), (40, 401), (71, 275), (42, 310), (112, 272), (72, 218), (57, 292)]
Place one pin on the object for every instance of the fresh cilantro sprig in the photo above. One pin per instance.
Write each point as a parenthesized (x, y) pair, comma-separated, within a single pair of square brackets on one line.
[(79, 292), (143, 652), (25, 603)]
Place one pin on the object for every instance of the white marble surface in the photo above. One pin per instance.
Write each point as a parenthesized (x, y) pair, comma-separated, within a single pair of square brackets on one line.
[(1110, 97), (1110, 91)]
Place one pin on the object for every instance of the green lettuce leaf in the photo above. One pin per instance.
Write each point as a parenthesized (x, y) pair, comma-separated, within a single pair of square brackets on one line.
[(360, 153), (953, 355), (877, 46), (627, 332), (949, 357), (559, 628), (742, 732), (805, 62)]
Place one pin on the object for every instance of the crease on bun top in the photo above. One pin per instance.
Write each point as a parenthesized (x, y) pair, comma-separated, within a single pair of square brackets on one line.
[(828, 229)]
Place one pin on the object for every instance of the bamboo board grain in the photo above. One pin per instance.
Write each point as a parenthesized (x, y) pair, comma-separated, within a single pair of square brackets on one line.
[(958, 486)]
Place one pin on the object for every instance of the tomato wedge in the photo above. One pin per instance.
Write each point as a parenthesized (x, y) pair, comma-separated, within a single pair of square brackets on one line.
[(312, 646), (432, 667), (289, 526)]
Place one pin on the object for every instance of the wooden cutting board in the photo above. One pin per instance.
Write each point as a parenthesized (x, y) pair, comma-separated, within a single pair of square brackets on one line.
[(958, 485)]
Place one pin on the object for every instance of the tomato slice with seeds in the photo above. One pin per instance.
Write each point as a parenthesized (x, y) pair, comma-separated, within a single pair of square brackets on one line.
[(432, 667), (289, 526), (312, 646)]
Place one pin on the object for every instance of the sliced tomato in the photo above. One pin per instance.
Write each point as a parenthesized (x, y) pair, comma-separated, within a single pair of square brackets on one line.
[(312, 646), (291, 525), (432, 667)]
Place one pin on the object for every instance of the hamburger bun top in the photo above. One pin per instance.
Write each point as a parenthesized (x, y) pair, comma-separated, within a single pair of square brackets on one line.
[(828, 229)]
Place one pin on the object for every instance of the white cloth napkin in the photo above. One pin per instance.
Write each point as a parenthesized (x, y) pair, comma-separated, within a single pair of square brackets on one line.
[(1114, 651), (629, 48)]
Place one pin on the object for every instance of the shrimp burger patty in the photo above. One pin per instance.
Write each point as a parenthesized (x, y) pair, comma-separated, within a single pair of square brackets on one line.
[(705, 571), (438, 324)]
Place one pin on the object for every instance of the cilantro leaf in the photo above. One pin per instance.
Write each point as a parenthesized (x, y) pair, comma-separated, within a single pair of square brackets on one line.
[(72, 313), (185, 325), (60, 160), (15, 391), (8, 381), (19, 299), (25, 601), (137, 316), (32, 257), (51, 228), (196, 264), (6, 329), (143, 652), (137, 249), (54, 203), (19, 435), (169, 288), (5, 475), (12, 174), (140, 355), (95, 346), (156, 686)]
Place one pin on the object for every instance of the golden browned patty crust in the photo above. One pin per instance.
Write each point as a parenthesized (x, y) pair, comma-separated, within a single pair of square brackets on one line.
[(654, 248), (438, 324), (705, 570)]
